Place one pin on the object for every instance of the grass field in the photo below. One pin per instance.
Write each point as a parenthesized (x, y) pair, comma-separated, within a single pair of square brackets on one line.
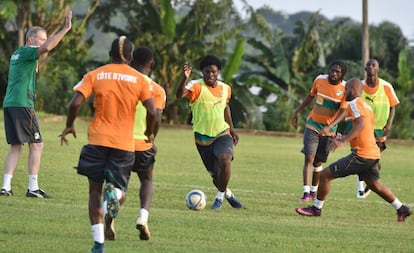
[(266, 177)]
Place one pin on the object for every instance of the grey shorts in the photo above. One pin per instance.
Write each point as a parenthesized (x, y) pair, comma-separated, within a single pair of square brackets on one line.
[(314, 144), (21, 125), (101, 164), (144, 160), (209, 154), (366, 169)]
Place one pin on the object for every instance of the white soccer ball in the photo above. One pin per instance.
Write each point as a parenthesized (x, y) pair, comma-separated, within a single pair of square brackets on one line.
[(196, 200)]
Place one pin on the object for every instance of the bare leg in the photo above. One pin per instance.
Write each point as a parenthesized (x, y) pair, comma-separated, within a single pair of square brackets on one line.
[(324, 184), (95, 205), (35, 155), (13, 158), (379, 188), (307, 168), (146, 189), (224, 174)]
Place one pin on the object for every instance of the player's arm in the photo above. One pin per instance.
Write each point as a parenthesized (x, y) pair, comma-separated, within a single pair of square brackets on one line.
[(339, 117), (181, 90), (74, 107), (151, 118), (357, 126), (388, 126), (53, 41), (308, 99), (229, 120)]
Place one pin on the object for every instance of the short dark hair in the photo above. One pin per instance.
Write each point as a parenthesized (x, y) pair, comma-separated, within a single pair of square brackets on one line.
[(142, 56), (210, 60), (341, 64)]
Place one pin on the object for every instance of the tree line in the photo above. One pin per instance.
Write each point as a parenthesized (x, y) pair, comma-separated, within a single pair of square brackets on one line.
[(270, 58)]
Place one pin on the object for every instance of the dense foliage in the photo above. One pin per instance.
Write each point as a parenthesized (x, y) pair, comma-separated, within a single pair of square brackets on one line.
[(270, 58)]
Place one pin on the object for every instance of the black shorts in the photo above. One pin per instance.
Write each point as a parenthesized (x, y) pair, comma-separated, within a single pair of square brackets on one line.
[(144, 160), (21, 125), (317, 145), (210, 153), (101, 164), (366, 169), (323, 149)]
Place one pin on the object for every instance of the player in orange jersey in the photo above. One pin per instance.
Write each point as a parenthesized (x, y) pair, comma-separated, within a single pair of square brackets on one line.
[(109, 154), (328, 93), (363, 160)]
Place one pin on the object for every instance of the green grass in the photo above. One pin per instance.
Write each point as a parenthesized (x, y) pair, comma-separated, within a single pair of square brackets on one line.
[(266, 177)]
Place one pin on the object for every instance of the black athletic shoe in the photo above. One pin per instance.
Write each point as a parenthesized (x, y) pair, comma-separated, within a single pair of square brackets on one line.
[(234, 202), (403, 213), (4, 192), (39, 193)]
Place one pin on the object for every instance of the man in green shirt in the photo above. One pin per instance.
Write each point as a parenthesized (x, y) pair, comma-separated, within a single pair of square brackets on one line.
[(20, 118)]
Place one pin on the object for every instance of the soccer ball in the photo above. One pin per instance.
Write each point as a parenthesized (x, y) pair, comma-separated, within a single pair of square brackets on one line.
[(196, 200)]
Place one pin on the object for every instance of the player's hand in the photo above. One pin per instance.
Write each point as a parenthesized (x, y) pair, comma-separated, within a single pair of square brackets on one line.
[(68, 130), (235, 136), (150, 138), (336, 143), (294, 120), (324, 131), (187, 69), (68, 20)]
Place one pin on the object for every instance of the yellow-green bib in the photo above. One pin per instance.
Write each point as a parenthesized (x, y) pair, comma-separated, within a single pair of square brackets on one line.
[(208, 111)]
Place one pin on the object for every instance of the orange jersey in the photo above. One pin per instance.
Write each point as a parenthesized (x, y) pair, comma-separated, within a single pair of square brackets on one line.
[(117, 89), (158, 93), (194, 88), (364, 144), (329, 99)]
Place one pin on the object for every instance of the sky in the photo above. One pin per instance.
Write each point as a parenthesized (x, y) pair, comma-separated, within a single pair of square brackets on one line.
[(399, 12)]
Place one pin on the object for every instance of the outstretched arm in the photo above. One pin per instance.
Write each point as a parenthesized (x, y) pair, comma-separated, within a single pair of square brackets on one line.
[(358, 125), (308, 99), (341, 115), (181, 90), (73, 111), (53, 41)]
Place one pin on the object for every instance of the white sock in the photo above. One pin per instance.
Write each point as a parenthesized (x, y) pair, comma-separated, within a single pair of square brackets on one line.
[(143, 215), (318, 169), (318, 203), (360, 184), (220, 195), (105, 207), (314, 188), (33, 185), (98, 233), (228, 193), (396, 204), (118, 193), (306, 188), (7, 182)]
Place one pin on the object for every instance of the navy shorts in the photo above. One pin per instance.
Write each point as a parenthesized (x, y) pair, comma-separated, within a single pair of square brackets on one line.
[(101, 164), (314, 144), (366, 169), (144, 160), (21, 125), (209, 154)]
